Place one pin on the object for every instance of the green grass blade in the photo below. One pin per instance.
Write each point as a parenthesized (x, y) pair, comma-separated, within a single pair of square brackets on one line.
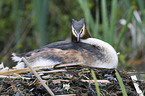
[(86, 11), (121, 84), (141, 28), (113, 20), (89, 19), (127, 3), (16, 16), (96, 30), (1, 3), (123, 30), (40, 9), (43, 20), (142, 7), (96, 27), (96, 83), (105, 21), (36, 16)]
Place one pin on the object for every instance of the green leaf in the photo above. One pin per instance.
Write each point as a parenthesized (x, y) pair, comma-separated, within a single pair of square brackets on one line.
[(121, 83), (96, 83), (123, 30), (105, 21), (113, 21)]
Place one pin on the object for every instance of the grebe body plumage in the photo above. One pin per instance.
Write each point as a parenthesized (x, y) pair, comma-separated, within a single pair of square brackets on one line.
[(81, 49)]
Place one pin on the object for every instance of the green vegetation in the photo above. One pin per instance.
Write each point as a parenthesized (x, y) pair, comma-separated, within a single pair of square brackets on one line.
[(121, 84), (96, 83), (28, 24)]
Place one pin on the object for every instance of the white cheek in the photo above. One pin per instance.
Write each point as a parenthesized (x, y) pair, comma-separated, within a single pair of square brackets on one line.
[(74, 31)]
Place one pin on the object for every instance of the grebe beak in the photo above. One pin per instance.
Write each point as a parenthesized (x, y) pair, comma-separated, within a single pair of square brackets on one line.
[(78, 37)]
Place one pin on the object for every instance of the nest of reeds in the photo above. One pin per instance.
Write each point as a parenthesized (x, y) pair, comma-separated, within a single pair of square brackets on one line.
[(66, 79)]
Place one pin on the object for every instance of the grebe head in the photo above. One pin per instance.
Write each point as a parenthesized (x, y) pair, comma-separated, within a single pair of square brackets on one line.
[(78, 30)]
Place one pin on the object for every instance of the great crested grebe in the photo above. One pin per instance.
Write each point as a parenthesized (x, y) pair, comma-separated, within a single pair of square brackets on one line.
[(81, 49)]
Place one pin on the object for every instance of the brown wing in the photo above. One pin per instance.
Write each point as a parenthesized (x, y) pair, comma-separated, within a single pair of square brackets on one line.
[(59, 55), (66, 52)]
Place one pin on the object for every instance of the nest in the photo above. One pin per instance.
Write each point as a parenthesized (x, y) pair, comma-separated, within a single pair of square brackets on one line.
[(68, 79)]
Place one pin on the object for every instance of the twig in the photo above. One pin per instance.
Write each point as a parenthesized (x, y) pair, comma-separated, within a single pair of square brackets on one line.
[(24, 70), (13, 77), (38, 77), (53, 71), (136, 72), (67, 95), (11, 72), (69, 64), (138, 90), (99, 81)]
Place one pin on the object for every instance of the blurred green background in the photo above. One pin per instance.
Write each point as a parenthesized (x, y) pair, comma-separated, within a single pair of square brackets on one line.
[(29, 24)]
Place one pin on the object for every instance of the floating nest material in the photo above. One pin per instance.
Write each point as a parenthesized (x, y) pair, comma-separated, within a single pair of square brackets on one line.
[(70, 80)]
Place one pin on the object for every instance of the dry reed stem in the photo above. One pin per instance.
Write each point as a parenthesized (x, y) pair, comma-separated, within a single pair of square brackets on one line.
[(38, 77)]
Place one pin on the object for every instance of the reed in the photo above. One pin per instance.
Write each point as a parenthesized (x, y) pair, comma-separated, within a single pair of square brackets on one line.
[(93, 25), (121, 84), (96, 83), (17, 18), (40, 9), (123, 30), (105, 21), (113, 20), (109, 22)]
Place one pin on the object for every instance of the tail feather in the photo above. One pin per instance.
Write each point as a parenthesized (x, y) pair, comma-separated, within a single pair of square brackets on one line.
[(16, 58)]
